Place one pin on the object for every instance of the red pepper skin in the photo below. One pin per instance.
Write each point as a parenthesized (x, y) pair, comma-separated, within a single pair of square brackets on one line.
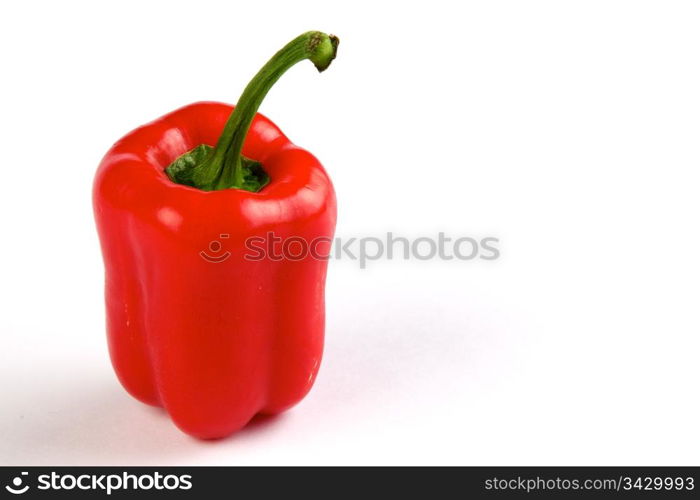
[(212, 343)]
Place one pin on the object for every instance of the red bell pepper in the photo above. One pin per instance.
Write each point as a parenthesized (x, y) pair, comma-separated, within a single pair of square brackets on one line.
[(193, 324)]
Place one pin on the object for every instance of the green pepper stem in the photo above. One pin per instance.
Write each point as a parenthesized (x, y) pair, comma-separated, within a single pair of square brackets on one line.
[(223, 167)]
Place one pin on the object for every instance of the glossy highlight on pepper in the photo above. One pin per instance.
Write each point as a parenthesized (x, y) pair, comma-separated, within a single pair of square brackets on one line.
[(215, 341)]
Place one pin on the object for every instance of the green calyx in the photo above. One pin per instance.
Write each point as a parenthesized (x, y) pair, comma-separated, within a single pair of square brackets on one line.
[(223, 166), (182, 170)]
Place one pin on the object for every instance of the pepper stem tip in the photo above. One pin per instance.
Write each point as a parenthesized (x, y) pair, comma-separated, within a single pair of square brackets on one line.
[(322, 49)]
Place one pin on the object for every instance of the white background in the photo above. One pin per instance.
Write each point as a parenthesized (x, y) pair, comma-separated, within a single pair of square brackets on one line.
[(569, 130)]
